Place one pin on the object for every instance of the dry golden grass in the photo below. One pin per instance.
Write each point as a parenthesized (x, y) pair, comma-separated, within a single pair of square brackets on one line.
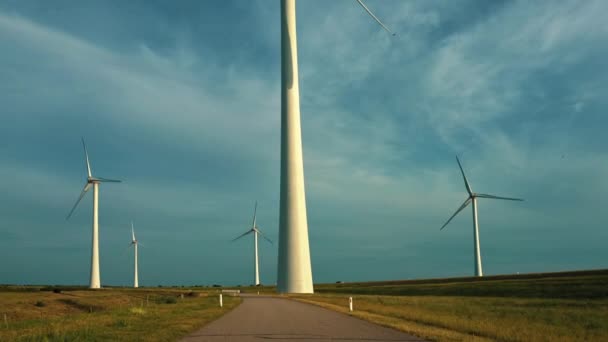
[(565, 306), (106, 315), (445, 318)]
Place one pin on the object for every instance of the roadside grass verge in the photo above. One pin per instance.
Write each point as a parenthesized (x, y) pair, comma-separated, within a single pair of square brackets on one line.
[(562, 307), (444, 318), (107, 314)]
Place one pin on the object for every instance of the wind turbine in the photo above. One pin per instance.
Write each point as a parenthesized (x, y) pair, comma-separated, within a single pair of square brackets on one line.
[(94, 182), (294, 272), (473, 199), (134, 243), (255, 230)]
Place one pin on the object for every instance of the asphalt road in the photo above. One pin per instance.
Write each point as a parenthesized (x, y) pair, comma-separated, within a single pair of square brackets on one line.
[(261, 318)]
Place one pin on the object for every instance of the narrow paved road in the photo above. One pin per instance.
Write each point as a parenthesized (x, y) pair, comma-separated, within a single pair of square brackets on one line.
[(261, 318)]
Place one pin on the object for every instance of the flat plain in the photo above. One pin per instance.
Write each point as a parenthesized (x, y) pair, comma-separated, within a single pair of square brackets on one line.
[(567, 306)]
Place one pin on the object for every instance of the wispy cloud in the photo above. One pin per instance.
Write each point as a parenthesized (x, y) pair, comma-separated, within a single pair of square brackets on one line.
[(190, 121)]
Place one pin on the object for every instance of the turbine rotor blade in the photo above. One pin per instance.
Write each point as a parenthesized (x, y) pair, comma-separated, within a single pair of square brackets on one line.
[(105, 180), (132, 232), (464, 205), (466, 182), (264, 236), (82, 193), (240, 236), (86, 155), (498, 197), (255, 211), (375, 18)]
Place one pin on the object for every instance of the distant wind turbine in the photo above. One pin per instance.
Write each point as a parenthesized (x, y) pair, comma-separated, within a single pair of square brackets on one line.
[(255, 230), (294, 273), (95, 281), (473, 199), (134, 243)]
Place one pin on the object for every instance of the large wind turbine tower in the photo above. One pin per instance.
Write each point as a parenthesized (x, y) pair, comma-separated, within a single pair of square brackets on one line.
[(294, 272), (472, 199), (134, 243), (255, 230), (94, 182)]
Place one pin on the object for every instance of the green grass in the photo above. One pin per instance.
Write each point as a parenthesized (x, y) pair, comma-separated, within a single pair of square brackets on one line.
[(107, 314), (541, 307), (573, 285)]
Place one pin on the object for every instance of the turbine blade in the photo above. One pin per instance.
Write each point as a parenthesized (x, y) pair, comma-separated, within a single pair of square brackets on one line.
[(240, 236), (466, 182), (132, 232), (82, 193), (86, 155), (375, 18), (464, 205), (498, 197), (105, 180), (255, 211), (264, 236)]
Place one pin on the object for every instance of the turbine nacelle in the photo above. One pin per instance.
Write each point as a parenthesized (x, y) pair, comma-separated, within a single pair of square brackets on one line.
[(91, 180), (254, 230), (254, 227)]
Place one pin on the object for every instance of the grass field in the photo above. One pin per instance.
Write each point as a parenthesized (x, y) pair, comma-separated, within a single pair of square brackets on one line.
[(32, 314), (531, 307), (536, 307)]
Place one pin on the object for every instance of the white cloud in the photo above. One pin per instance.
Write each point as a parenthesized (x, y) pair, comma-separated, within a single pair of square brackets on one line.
[(382, 116)]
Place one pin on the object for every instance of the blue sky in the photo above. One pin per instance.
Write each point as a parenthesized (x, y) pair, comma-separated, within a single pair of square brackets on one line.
[(181, 101)]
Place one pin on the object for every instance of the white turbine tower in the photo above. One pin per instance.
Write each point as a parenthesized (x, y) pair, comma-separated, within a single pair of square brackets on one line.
[(255, 230), (473, 199), (294, 272), (134, 243), (95, 281)]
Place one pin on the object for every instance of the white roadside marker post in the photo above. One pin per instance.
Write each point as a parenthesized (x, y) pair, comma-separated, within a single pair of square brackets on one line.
[(221, 301), (350, 304)]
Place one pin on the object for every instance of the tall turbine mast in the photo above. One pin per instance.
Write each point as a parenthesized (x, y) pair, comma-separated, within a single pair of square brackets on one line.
[(294, 270), (256, 264), (134, 243), (95, 281)]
